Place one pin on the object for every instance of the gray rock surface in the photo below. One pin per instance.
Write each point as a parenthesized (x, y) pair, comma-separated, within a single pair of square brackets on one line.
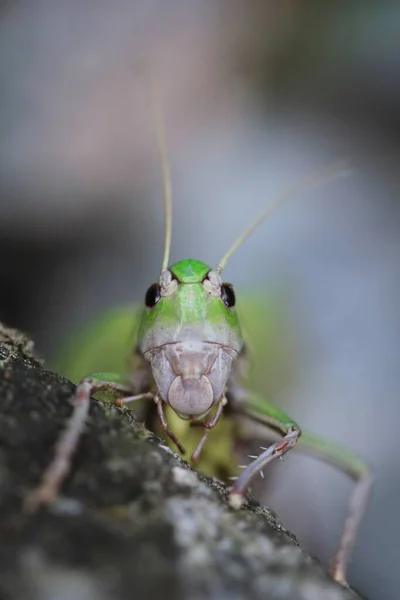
[(134, 520)]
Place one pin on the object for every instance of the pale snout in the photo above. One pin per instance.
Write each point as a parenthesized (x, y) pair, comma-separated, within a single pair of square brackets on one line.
[(191, 376), (191, 396)]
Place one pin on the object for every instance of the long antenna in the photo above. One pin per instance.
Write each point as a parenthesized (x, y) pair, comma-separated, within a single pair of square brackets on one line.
[(331, 172), (158, 118)]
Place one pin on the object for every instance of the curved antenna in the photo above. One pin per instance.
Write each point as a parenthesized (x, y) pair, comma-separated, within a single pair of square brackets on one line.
[(331, 172), (158, 118)]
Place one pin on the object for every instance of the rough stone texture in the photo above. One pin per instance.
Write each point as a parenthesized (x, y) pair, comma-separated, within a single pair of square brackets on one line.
[(134, 521)]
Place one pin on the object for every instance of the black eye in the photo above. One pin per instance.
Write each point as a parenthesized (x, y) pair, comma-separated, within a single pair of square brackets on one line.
[(153, 295), (228, 295)]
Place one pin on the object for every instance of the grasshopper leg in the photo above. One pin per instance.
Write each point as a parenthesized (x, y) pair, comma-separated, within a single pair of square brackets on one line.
[(164, 425), (291, 434), (257, 409), (120, 402), (351, 464), (208, 425), (68, 441)]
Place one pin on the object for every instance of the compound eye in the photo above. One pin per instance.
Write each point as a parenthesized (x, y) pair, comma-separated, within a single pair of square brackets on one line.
[(228, 295), (153, 295)]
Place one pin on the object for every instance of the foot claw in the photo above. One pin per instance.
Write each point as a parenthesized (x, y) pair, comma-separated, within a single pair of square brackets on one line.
[(338, 576), (236, 500)]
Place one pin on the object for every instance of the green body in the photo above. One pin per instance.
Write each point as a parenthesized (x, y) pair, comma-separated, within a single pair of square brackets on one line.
[(191, 351), (105, 346)]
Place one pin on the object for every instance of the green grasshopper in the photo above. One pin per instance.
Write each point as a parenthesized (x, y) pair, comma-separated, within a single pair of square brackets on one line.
[(191, 354)]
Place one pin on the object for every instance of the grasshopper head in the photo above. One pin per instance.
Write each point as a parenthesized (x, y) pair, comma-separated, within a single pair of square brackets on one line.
[(190, 334)]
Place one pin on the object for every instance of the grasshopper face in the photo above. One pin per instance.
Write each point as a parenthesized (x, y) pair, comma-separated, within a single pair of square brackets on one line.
[(190, 334)]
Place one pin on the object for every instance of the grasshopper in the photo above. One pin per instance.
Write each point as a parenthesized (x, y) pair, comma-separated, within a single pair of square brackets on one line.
[(191, 354)]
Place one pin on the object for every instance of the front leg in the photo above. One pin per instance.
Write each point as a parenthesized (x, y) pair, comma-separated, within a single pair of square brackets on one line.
[(164, 424), (68, 441), (208, 425), (259, 410)]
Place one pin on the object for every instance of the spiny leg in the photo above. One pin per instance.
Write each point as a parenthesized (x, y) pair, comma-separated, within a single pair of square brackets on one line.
[(208, 425), (351, 464), (67, 443), (272, 418), (120, 402), (255, 407), (164, 425)]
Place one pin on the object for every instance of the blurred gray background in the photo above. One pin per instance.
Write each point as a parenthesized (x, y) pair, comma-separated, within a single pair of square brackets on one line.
[(257, 94)]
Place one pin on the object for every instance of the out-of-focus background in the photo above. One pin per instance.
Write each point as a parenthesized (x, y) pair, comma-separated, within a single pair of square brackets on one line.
[(257, 94)]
